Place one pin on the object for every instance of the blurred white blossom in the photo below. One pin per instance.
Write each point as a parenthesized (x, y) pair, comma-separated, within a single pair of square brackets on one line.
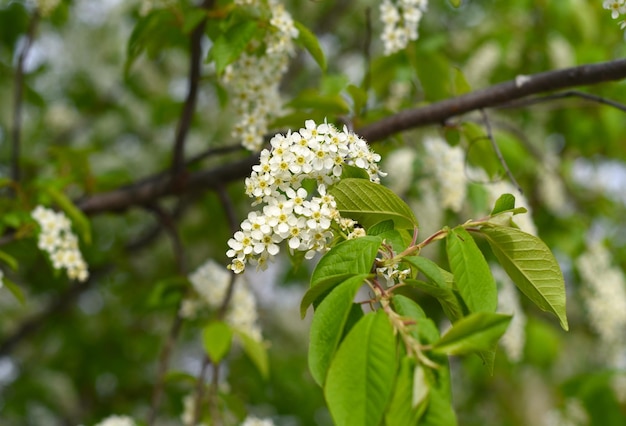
[(400, 166), (446, 164), (116, 420), (605, 300), (211, 282), (254, 78), (508, 303), (401, 19), (255, 421), (56, 238)]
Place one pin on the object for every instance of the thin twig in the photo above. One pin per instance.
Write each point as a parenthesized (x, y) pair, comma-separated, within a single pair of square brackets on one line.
[(169, 225), (496, 149), (562, 95), (18, 98)]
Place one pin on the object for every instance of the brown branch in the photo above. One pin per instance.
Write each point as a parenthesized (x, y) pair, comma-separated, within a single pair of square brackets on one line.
[(439, 112), (563, 95), (16, 131), (158, 186), (195, 63)]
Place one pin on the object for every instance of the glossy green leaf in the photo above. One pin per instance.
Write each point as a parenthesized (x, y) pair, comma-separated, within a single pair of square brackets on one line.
[(230, 45), (78, 218), (369, 203), (532, 266), (308, 40), (216, 340), (440, 411), (361, 377), (446, 297), (256, 351), (328, 324), (348, 258), (471, 272), (475, 333), (409, 395)]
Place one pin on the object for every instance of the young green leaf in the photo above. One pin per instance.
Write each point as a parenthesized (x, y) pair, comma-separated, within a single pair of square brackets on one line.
[(216, 340), (256, 351), (14, 289), (504, 203), (471, 272), (9, 260), (328, 325), (532, 266), (369, 203), (348, 258), (308, 40), (475, 333), (361, 377), (230, 45), (409, 395)]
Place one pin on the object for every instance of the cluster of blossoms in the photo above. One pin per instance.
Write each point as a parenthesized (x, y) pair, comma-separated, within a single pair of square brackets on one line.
[(255, 77), (605, 300), (56, 238), (211, 282), (401, 19), (617, 8), (315, 153)]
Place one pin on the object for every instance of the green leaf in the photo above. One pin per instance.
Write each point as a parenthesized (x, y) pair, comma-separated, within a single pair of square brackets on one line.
[(76, 215), (216, 340), (328, 325), (440, 411), (256, 351), (471, 272), (446, 297), (475, 333), (9, 260), (348, 258), (229, 46), (311, 99), (14, 289), (381, 227), (461, 86), (369, 203), (504, 203), (308, 40), (361, 377), (455, 3), (354, 172), (532, 266), (409, 395)]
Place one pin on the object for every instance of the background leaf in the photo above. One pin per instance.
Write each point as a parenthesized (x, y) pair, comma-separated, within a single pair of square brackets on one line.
[(217, 337)]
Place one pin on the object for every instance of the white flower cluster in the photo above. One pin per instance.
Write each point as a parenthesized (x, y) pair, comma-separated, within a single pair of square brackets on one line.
[(57, 239), (117, 421), (617, 8), (401, 19), (211, 281), (255, 421), (255, 77), (316, 152), (605, 300), (447, 166)]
